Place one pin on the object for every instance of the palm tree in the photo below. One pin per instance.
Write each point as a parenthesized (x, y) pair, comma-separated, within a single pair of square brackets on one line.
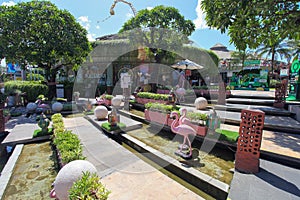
[(241, 56), (295, 48), (278, 48)]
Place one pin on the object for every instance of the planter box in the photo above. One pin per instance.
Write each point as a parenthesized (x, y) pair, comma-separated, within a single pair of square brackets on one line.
[(162, 91), (201, 130), (158, 117), (145, 101)]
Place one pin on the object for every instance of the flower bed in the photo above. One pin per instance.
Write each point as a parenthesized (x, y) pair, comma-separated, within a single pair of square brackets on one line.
[(146, 97), (160, 113)]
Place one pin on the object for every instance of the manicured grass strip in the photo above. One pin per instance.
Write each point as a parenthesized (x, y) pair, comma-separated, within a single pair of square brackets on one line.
[(38, 132), (228, 135), (108, 127)]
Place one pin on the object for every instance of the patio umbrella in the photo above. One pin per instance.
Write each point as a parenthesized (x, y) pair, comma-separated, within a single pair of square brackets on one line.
[(187, 64)]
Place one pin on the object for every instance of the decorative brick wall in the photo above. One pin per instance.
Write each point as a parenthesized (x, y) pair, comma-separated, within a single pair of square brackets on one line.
[(280, 92), (249, 142)]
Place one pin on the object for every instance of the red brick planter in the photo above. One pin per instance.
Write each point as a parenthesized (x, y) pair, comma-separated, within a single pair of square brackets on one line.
[(163, 118), (158, 117)]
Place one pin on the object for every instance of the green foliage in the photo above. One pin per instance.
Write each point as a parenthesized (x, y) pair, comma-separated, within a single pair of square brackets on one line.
[(193, 116), (108, 97), (273, 83), (249, 23), (68, 145), (107, 126), (32, 88), (36, 77), (39, 133), (161, 107), (149, 95), (42, 35), (88, 187), (158, 29), (227, 135)]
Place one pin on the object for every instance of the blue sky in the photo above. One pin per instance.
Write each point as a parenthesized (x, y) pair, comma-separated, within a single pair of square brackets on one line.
[(91, 15)]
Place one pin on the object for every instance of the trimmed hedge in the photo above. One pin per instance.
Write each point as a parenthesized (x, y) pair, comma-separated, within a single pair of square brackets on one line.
[(32, 88), (67, 143)]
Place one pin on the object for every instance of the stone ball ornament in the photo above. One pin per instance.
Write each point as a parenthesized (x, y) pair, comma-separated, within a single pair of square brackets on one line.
[(200, 103), (116, 101), (100, 112), (69, 174), (31, 107), (57, 107)]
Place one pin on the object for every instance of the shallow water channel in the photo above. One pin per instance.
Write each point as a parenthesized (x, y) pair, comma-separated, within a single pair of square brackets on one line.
[(216, 162), (34, 173)]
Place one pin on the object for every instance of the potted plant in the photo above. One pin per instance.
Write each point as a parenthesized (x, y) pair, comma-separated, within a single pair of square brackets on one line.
[(199, 122), (88, 187), (107, 99), (159, 113)]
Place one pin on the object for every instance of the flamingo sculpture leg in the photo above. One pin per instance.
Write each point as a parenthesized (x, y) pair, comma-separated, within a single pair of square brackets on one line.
[(183, 130)]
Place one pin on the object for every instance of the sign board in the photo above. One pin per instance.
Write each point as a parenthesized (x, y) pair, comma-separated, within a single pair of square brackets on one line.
[(251, 62), (60, 91), (125, 80), (284, 72)]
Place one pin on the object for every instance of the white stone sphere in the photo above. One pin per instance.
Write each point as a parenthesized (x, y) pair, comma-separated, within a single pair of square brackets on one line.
[(31, 107), (116, 101), (70, 173), (57, 107), (180, 91), (101, 112), (200, 103)]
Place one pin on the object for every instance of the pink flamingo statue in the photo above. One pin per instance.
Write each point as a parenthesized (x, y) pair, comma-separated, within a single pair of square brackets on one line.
[(42, 107), (183, 130)]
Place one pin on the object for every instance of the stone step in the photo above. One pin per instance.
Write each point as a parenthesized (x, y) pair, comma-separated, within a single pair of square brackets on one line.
[(269, 110)]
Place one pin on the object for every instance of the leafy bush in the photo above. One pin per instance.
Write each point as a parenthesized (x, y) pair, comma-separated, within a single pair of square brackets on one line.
[(149, 95), (161, 107), (196, 116), (108, 97), (32, 88), (35, 77), (67, 143), (88, 187), (69, 146)]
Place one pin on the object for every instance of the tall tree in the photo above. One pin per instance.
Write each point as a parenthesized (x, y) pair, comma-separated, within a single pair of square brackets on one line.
[(275, 50), (155, 26), (252, 21), (37, 32)]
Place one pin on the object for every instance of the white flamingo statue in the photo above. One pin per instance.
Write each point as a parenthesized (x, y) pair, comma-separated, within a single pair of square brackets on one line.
[(183, 130)]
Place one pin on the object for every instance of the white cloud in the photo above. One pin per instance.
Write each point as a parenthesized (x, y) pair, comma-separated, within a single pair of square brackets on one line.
[(149, 8), (200, 21), (98, 27), (91, 37), (9, 3), (129, 15), (84, 21)]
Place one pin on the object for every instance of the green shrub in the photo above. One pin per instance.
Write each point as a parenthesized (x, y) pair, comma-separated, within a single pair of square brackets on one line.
[(108, 97), (67, 143), (32, 88), (196, 116), (149, 95), (69, 146), (35, 77), (161, 107), (88, 187)]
